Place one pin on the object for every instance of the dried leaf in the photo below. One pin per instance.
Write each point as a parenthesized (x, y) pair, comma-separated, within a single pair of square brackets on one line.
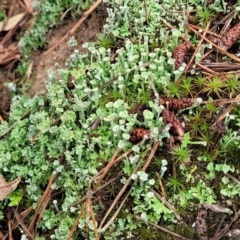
[(11, 22), (6, 188)]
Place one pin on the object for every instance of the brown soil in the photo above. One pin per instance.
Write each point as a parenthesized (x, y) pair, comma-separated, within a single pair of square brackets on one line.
[(56, 59)]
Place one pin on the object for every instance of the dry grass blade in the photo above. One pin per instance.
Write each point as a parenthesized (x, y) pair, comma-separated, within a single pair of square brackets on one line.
[(203, 30), (20, 222), (220, 67), (226, 112), (116, 213), (74, 204), (161, 187), (9, 224), (22, 216), (149, 159), (43, 199), (94, 223), (43, 208), (106, 169), (78, 24), (119, 195), (167, 204), (163, 229), (73, 229)]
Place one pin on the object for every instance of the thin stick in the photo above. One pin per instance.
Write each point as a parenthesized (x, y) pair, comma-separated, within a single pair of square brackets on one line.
[(9, 225), (44, 196), (163, 229), (109, 165), (154, 149), (77, 25), (161, 186), (116, 213), (94, 223), (76, 222), (119, 195), (23, 225), (167, 204), (202, 29), (216, 46), (146, 10), (85, 197), (197, 49)]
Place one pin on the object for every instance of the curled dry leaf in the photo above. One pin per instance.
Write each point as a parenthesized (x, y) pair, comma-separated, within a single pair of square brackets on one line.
[(174, 104), (138, 134), (230, 37), (179, 54), (176, 127), (6, 188)]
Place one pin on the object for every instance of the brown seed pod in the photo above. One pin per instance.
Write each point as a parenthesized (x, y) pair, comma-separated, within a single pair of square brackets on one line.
[(176, 127), (179, 54), (175, 104), (230, 37), (138, 134)]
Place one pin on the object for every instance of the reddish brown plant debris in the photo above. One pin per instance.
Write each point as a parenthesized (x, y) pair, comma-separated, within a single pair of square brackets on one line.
[(138, 134), (201, 224), (175, 104), (230, 37), (179, 54), (176, 127), (70, 83)]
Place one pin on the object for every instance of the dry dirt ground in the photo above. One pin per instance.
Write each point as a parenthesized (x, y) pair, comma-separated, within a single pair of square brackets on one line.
[(87, 32)]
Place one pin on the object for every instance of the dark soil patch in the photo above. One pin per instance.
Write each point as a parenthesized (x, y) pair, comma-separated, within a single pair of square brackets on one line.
[(4, 96)]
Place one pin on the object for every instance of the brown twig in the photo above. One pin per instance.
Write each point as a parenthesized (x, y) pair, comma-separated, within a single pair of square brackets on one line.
[(9, 225), (119, 195), (42, 200), (106, 169), (197, 49), (216, 46), (27, 232), (116, 213), (84, 17), (149, 159), (73, 229), (167, 204)]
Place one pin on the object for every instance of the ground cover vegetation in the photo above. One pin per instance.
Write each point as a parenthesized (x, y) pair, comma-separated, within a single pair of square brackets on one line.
[(135, 138)]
